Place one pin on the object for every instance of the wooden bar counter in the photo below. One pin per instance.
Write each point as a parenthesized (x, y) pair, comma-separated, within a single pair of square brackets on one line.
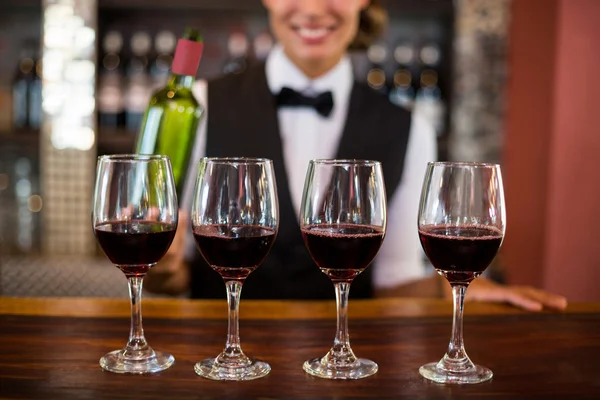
[(49, 349)]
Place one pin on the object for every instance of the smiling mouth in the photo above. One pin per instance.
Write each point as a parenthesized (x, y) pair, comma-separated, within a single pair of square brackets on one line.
[(313, 34)]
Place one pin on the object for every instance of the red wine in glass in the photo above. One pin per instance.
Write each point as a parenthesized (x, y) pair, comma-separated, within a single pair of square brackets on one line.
[(343, 222), (235, 217), (461, 224), (234, 251), (342, 251), (460, 252), (134, 216), (135, 246)]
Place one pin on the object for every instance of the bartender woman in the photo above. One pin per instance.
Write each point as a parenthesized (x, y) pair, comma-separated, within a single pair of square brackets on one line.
[(303, 103)]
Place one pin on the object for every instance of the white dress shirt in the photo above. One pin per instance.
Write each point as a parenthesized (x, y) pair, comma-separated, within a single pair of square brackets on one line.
[(306, 135)]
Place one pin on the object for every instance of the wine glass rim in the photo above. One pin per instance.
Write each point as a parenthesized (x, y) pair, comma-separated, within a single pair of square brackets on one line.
[(237, 160), (344, 161), (460, 164), (133, 157)]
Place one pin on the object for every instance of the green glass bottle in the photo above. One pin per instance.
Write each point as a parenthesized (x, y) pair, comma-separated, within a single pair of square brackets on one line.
[(171, 120)]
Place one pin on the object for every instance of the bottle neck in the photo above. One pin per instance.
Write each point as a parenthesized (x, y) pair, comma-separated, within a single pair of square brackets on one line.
[(182, 81), (185, 62)]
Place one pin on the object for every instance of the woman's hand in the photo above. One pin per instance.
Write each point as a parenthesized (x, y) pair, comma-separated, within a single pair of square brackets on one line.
[(526, 297), (171, 274), (481, 289)]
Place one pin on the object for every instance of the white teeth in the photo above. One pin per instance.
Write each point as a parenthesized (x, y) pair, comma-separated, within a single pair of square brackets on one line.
[(312, 33)]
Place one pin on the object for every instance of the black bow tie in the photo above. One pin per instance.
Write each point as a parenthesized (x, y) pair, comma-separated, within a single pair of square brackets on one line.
[(322, 103)]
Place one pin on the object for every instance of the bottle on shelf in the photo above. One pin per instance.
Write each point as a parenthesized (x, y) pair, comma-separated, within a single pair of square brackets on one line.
[(237, 61), (138, 88), (403, 92), (262, 45), (160, 67), (376, 77), (111, 111), (429, 102), (171, 120), (35, 96), (20, 88), (26, 91)]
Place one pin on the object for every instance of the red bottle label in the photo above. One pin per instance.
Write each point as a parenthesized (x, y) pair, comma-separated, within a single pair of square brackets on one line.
[(187, 57)]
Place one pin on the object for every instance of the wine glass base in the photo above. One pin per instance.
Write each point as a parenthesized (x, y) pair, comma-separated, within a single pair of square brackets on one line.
[(361, 369), (434, 373), (254, 369), (156, 362)]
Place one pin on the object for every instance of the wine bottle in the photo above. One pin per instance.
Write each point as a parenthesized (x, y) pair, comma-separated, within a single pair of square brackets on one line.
[(171, 119), (237, 45), (20, 89), (429, 102), (263, 43), (138, 88), (35, 97), (403, 93), (376, 77), (111, 110)]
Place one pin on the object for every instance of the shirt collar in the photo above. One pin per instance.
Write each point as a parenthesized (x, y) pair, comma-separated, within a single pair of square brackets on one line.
[(281, 71)]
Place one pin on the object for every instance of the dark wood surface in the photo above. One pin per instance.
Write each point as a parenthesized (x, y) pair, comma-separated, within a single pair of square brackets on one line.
[(51, 351)]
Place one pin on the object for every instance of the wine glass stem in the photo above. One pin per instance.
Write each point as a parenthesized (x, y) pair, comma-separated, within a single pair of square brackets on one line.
[(234, 290), (342, 338), (137, 341), (456, 348)]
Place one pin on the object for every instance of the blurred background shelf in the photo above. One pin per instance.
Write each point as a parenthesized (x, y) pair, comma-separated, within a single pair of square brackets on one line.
[(130, 33), (409, 6), (425, 7), (414, 24)]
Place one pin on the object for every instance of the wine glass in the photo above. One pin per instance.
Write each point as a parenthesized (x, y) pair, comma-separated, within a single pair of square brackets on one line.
[(134, 214), (343, 223), (235, 217), (461, 226)]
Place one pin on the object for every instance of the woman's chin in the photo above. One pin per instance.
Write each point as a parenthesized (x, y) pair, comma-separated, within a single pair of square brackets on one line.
[(318, 55)]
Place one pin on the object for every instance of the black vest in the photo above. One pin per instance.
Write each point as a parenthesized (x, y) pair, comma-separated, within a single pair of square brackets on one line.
[(243, 122)]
